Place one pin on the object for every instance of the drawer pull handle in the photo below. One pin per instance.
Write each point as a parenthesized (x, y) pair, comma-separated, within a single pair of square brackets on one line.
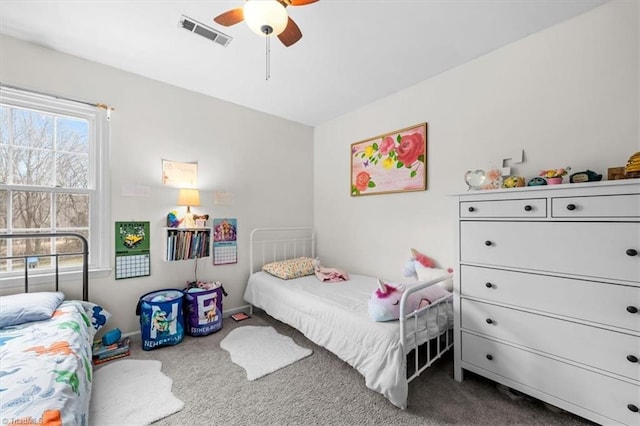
[(632, 252), (632, 358), (472, 209), (571, 207), (632, 309), (528, 208), (633, 408), (487, 243), (489, 321), (488, 285), (490, 358)]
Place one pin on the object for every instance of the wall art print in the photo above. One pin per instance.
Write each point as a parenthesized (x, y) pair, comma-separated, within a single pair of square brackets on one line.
[(393, 162)]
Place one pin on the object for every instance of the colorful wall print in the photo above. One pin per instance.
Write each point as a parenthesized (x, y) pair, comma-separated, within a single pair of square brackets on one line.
[(393, 162), (225, 243), (132, 250)]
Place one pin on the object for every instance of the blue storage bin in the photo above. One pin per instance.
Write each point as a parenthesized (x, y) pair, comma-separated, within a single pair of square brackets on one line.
[(161, 318)]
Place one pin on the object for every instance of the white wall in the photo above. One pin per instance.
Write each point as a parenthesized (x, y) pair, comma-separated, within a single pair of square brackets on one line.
[(567, 95), (264, 161)]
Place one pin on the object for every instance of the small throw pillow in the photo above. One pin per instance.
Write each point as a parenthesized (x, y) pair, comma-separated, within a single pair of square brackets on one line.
[(17, 309), (291, 268)]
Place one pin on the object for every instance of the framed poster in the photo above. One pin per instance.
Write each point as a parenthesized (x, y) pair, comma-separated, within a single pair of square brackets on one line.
[(132, 250), (393, 162), (225, 242), (181, 175)]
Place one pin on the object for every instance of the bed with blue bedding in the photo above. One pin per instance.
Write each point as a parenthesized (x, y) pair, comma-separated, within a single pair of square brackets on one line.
[(46, 368), (45, 352)]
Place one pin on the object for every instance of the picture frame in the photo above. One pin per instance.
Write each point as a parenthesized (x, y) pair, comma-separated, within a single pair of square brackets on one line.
[(391, 162)]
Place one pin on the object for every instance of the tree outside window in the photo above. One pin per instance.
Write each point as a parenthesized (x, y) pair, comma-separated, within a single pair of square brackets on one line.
[(46, 177)]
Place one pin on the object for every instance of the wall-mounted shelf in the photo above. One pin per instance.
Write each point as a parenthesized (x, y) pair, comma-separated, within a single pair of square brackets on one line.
[(186, 243)]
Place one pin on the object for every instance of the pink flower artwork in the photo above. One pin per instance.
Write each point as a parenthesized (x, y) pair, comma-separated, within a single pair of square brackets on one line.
[(393, 162)]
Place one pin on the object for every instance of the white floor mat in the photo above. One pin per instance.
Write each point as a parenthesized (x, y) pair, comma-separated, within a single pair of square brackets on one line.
[(261, 350)]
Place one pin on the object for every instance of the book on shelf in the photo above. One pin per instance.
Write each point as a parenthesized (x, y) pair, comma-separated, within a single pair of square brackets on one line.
[(97, 361), (102, 351)]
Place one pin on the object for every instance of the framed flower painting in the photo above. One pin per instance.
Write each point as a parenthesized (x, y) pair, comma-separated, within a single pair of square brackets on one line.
[(393, 162)]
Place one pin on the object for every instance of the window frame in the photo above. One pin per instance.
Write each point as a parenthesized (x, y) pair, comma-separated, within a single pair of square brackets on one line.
[(97, 181)]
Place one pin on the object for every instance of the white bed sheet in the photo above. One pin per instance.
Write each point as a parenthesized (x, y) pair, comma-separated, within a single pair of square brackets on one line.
[(335, 316)]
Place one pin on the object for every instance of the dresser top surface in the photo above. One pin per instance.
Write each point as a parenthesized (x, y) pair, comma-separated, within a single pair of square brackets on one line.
[(622, 186)]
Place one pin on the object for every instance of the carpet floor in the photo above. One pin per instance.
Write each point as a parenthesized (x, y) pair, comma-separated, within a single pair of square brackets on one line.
[(323, 390)]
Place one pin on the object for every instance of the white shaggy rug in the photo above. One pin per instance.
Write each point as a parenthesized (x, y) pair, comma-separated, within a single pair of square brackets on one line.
[(261, 350), (131, 392)]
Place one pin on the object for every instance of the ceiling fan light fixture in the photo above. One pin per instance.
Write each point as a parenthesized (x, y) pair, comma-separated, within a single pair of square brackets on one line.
[(266, 17)]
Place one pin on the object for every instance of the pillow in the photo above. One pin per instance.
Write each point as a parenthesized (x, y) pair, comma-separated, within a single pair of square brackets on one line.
[(291, 268), (98, 315), (17, 309), (429, 274)]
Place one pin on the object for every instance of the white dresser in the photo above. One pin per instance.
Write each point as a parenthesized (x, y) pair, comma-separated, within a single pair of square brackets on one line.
[(547, 294)]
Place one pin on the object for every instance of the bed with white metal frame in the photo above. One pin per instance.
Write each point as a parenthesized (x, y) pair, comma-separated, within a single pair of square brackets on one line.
[(300, 303)]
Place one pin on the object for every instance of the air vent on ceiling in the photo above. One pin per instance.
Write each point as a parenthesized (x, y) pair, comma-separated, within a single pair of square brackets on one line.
[(205, 31)]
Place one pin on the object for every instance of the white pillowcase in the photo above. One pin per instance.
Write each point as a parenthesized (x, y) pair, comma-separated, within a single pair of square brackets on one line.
[(428, 274), (17, 309)]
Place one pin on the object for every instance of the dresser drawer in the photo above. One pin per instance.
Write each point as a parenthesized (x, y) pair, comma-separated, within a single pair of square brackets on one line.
[(585, 300), (597, 347), (504, 208), (591, 391), (590, 249), (615, 206)]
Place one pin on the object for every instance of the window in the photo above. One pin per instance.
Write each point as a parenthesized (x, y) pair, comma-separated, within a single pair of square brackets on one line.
[(53, 167)]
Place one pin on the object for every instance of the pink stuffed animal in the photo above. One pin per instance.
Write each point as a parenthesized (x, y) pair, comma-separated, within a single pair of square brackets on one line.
[(384, 304)]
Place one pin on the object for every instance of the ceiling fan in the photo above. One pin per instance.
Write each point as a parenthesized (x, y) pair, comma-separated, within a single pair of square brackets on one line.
[(266, 17)]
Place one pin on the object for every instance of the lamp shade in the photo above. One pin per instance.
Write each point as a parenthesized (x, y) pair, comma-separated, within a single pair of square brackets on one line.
[(266, 17), (189, 197)]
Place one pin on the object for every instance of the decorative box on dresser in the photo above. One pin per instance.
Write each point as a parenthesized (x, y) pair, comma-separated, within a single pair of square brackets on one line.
[(547, 294)]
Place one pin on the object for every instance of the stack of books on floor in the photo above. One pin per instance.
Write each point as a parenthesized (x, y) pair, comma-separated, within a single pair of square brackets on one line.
[(102, 353)]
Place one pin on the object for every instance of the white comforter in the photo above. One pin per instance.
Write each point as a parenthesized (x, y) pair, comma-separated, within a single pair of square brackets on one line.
[(335, 316)]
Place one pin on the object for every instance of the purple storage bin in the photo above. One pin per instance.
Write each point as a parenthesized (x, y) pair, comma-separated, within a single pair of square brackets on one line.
[(202, 310)]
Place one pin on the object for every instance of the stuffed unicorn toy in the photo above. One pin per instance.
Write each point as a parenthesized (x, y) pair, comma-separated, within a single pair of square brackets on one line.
[(384, 304), (417, 259), (424, 269)]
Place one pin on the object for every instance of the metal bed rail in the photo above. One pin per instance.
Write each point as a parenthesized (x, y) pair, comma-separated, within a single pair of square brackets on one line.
[(443, 340), (84, 253)]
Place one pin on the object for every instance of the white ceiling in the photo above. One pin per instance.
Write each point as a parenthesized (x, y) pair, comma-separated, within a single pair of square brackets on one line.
[(351, 53)]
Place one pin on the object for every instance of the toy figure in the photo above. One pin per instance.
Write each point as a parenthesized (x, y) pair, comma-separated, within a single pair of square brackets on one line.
[(537, 181), (409, 268), (586, 176), (513, 182), (172, 219)]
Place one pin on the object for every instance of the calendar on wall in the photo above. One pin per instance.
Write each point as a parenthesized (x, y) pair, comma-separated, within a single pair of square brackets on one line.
[(132, 250), (225, 242)]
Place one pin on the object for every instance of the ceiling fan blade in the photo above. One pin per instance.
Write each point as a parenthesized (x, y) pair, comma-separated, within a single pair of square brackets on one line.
[(302, 2), (230, 17), (291, 33)]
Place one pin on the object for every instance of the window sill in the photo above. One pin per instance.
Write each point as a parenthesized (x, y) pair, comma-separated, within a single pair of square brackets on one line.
[(16, 280)]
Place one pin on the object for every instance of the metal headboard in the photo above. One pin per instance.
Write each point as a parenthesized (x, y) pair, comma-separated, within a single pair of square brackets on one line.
[(56, 256), (279, 243)]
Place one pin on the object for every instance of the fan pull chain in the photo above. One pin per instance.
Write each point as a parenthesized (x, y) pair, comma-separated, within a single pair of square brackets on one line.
[(268, 52)]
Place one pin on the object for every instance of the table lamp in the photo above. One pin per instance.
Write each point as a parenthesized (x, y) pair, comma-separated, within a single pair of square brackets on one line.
[(188, 197)]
